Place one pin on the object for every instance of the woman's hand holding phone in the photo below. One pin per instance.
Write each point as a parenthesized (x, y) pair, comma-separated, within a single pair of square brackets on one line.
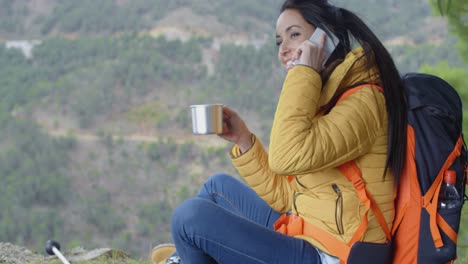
[(316, 51), (311, 54)]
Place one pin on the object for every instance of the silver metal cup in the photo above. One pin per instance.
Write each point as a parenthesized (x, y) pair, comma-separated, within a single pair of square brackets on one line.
[(207, 119)]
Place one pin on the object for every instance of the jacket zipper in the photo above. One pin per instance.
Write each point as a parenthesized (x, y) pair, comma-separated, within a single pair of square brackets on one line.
[(338, 209), (294, 202)]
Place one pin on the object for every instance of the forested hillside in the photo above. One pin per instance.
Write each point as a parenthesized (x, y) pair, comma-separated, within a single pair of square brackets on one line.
[(96, 147)]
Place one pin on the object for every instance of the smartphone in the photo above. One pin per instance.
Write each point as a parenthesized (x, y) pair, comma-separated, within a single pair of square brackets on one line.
[(331, 42)]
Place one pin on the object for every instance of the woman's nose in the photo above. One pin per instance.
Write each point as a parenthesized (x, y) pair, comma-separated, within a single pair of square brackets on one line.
[(284, 50)]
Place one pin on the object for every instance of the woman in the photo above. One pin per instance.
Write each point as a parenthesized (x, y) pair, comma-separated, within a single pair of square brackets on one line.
[(312, 136)]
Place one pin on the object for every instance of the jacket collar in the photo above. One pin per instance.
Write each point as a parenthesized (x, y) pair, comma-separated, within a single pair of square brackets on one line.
[(350, 72)]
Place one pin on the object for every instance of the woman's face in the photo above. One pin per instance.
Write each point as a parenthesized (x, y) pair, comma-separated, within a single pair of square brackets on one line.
[(291, 31)]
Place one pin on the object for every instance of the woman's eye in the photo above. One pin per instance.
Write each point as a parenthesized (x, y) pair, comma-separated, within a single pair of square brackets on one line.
[(295, 35), (278, 43)]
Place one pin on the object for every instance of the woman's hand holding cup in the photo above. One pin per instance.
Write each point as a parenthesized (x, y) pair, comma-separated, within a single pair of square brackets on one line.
[(235, 130)]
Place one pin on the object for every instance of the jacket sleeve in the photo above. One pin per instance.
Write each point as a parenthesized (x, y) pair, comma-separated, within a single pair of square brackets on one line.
[(303, 142), (252, 165)]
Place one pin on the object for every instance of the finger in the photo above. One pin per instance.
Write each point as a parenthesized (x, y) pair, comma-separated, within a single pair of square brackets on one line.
[(228, 110), (225, 112), (229, 113), (226, 118), (297, 54), (225, 128), (323, 39)]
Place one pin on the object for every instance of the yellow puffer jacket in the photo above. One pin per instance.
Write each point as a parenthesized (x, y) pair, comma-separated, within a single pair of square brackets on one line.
[(310, 145)]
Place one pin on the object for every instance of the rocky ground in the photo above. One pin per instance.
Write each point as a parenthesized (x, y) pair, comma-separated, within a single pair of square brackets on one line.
[(13, 254)]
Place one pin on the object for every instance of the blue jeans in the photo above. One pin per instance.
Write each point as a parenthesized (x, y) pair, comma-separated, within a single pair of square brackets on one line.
[(229, 223)]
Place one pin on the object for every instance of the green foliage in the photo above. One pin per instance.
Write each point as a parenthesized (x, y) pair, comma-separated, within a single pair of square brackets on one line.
[(154, 221), (90, 16), (109, 17), (33, 177), (456, 12), (162, 150), (247, 77), (238, 12), (187, 151), (11, 16), (390, 19), (107, 140), (462, 246), (211, 154), (183, 194), (89, 69), (183, 118), (17, 79), (100, 214), (455, 76), (410, 58), (151, 114), (30, 227), (155, 214), (31, 166)]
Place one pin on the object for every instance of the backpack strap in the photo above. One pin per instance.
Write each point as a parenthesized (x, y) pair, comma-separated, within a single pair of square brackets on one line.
[(353, 174), (406, 223), (406, 183), (357, 88), (431, 198)]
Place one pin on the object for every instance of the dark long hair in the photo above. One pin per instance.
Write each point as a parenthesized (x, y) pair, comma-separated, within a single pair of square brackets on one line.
[(344, 23)]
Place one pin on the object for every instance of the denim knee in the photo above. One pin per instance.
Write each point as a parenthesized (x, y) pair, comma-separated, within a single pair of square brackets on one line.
[(189, 215), (219, 178), (214, 183)]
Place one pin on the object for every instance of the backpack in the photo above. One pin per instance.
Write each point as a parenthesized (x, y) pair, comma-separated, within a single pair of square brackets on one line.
[(422, 232)]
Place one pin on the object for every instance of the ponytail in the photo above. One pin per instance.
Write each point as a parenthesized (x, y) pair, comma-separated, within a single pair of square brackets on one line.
[(395, 97)]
